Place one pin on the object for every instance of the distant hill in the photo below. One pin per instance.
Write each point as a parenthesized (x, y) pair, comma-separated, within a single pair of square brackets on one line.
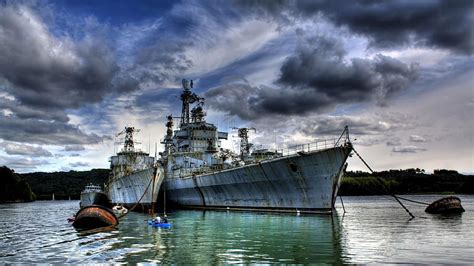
[(70, 184), (406, 181), (14, 188), (64, 184)]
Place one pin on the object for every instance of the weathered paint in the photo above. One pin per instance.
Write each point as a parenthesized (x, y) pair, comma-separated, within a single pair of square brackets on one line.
[(445, 205), (94, 198), (127, 190), (94, 216), (307, 182)]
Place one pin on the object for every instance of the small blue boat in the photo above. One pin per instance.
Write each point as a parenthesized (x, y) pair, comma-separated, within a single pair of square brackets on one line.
[(161, 225)]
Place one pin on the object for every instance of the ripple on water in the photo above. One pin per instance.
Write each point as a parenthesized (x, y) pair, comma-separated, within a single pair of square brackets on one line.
[(374, 229)]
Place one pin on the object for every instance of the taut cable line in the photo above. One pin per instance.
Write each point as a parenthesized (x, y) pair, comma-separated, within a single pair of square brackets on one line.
[(383, 185)]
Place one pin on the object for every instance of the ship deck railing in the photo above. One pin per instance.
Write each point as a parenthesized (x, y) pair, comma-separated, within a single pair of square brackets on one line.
[(320, 145)]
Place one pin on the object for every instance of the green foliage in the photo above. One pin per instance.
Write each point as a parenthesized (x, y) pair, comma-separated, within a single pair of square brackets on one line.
[(13, 188), (367, 185), (64, 184), (70, 184), (405, 182)]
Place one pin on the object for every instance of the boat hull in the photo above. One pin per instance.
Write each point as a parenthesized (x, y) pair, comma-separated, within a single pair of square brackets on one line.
[(94, 216), (305, 182), (94, 198), (137, 190), (445, 205)]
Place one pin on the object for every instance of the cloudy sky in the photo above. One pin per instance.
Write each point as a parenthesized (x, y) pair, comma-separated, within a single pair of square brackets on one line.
[(399, 73)]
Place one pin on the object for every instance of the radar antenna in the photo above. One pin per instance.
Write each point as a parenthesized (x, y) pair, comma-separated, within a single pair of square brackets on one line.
[(129, 143), (188, 97), (245, 145), (168, 141)]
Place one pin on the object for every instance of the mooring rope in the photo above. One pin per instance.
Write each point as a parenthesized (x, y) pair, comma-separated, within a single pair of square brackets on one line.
[(342, 202), (152, 193), (383, 185), (414, 201), (136, 204)]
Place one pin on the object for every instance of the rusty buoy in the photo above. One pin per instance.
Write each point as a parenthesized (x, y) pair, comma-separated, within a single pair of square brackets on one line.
[(94, 216), (445, 205)]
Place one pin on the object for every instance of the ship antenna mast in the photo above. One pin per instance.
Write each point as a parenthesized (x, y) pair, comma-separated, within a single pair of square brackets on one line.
[(245, 145), (129, 143), (168, 141), (187, 97)]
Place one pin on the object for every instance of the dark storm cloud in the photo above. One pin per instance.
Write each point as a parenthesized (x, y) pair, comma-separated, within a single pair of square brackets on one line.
[(43, 71), (407, 149), (417, 138), (79, 164), (162, 57), (74, 148), (441, 24), (22, 111), (236, 99), (394, 142), (45, 75), (318, 63), (374, 125), (27, 150), (366, 130), (160, 63), (315, 78), (21, 164), (43, 132)]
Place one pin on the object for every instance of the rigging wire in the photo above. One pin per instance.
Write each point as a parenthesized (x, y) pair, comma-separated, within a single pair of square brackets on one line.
[(383, 185)]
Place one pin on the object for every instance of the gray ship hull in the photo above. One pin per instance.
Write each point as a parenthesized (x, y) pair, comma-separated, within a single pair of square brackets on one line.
[(307, 182), (94, 198), (138, 187)]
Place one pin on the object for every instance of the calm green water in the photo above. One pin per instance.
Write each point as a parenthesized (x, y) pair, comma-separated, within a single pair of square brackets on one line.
[(374, 229)]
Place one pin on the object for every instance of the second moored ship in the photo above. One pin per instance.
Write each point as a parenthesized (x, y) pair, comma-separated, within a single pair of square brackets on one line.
[(135, 178)]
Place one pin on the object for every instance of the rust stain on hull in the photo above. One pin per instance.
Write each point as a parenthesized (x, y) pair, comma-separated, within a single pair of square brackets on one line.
[(445, 205), (95, 216)]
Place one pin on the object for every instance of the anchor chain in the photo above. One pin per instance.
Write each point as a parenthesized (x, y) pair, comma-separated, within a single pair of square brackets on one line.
[(383, 185)]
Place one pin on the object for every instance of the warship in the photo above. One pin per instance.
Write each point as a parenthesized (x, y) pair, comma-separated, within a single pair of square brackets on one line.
[(93, 195), (135, 178), (199, 173)]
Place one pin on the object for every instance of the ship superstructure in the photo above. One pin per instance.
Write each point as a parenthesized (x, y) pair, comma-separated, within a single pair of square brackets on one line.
[(201, 174), (93, 195), (135, 178)]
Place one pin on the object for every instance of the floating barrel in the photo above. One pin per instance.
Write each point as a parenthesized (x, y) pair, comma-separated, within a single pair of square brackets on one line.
[(94, 216), (445, 205)]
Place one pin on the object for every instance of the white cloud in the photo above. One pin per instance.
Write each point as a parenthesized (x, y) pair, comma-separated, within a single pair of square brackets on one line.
[(417, 138), (424, 56), (408, 149), (13, 148), (22, 164), (225, 46)]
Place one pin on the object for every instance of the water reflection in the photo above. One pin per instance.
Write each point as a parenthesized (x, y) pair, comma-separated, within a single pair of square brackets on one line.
[(233, 237), (377, 230), (373, 230)]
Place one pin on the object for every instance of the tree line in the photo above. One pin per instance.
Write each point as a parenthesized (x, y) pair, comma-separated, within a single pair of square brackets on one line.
[(407, 181), (65, 185), (14, 188)]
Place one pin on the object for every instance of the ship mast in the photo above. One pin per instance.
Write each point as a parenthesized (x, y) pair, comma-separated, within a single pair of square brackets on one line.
[(245, 145), (188, 97), (129, 143), (168, 141)]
